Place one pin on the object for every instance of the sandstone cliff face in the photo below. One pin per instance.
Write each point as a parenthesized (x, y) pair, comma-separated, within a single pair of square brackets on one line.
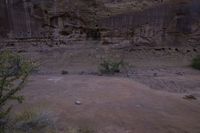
[(163, 23), (41, 19), (21, 20), (55, 18), (4, 26)]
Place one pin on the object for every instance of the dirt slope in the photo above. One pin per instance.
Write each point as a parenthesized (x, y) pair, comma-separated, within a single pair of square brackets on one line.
[(111, 105)]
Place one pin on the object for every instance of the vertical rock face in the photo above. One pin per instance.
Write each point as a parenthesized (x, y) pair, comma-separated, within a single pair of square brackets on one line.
[(158, 16), (4, 19), (18, 19), (166, 21), (27, 19), (153, 16), (41, 18)]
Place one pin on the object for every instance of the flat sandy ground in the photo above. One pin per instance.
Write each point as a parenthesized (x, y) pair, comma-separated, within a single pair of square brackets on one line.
[(111, 105), (146, 97)]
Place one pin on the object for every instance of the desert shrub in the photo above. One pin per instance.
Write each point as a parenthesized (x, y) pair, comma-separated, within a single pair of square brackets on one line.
[(30, 121), (14, 71), (196, 63), (110, 66)]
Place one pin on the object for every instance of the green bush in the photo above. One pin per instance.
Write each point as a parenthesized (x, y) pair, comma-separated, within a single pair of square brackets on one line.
[(14, 71), (196, 63), (110, 66)]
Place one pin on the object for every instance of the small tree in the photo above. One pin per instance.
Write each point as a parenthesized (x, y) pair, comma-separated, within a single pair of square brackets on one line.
[(14, 71)]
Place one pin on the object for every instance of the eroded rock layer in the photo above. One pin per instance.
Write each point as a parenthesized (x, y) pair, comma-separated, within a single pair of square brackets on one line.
[(167, 22)]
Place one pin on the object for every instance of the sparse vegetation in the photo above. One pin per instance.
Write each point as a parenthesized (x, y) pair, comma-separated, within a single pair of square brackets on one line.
[(14, 71), (196, 63), (110, 66), (30, 121)]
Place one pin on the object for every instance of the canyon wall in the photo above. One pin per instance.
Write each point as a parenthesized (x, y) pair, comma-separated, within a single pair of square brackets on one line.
[(159, 16), (27, 19), (4, 19), (42, 18), (163, 23), (19, 20)]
